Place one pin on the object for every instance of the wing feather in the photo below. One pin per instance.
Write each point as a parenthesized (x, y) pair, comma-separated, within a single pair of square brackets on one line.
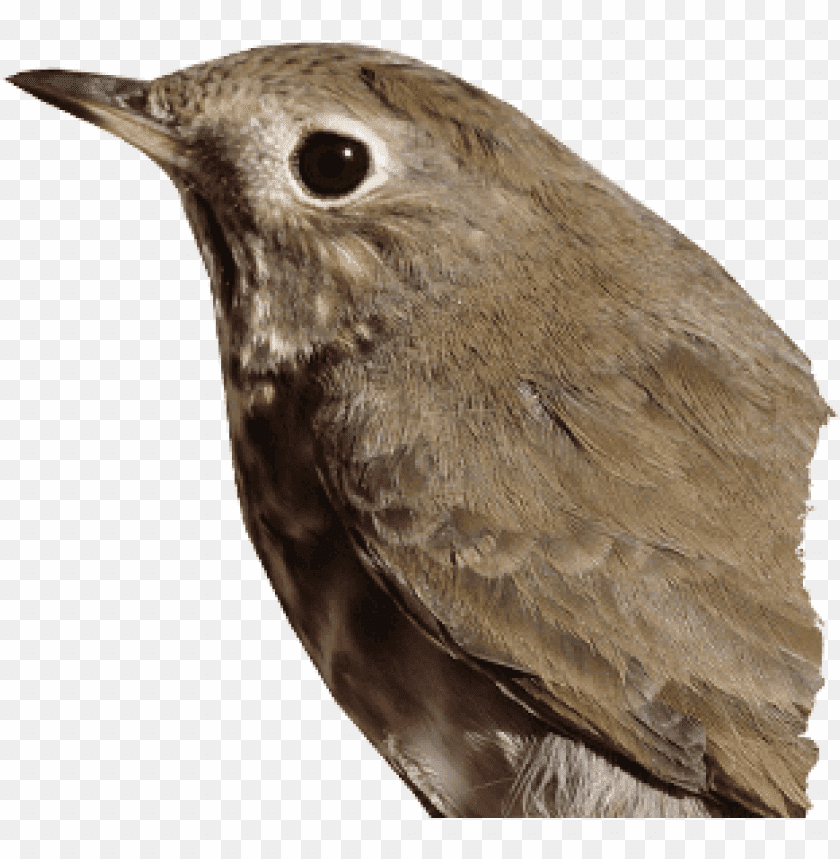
[(695, 664)]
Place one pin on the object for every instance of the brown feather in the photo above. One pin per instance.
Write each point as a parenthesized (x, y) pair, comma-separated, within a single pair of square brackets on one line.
[(526, 467)]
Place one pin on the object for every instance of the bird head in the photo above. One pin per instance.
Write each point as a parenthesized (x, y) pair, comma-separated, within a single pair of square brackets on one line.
[(339, 195)]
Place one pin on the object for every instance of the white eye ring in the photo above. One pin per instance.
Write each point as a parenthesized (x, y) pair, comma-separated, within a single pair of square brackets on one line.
[(379, 171)]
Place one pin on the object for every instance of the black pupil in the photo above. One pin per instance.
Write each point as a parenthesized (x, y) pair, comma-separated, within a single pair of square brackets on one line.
[(332, 165)]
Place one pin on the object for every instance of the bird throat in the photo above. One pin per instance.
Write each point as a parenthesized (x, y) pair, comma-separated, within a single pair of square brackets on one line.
[(272, 316)]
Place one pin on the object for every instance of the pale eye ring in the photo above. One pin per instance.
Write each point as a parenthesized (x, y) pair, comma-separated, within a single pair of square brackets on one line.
[(337, 161), (330, 165)]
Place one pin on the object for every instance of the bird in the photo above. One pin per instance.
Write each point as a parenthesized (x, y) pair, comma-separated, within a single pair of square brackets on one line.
[(525, 467)]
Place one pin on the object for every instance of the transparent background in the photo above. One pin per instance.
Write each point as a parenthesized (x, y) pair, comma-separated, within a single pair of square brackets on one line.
[(153, 699)]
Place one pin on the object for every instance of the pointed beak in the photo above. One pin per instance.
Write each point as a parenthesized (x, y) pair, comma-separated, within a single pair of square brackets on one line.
[(117, 105)]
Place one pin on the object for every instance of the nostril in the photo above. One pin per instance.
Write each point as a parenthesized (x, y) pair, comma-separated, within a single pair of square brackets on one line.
[(132, 94), (135, 101)]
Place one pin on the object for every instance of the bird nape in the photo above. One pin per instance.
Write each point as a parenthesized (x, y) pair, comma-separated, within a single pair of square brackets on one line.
[(526, 468)]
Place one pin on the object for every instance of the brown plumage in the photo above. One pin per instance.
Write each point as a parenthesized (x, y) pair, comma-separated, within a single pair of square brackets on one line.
[(526, 468)]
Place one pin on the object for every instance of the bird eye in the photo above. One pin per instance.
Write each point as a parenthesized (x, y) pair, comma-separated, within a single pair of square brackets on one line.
[(331, 165)]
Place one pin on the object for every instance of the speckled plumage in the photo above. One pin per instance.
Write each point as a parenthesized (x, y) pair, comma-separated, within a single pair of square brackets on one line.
[(526, 468)]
